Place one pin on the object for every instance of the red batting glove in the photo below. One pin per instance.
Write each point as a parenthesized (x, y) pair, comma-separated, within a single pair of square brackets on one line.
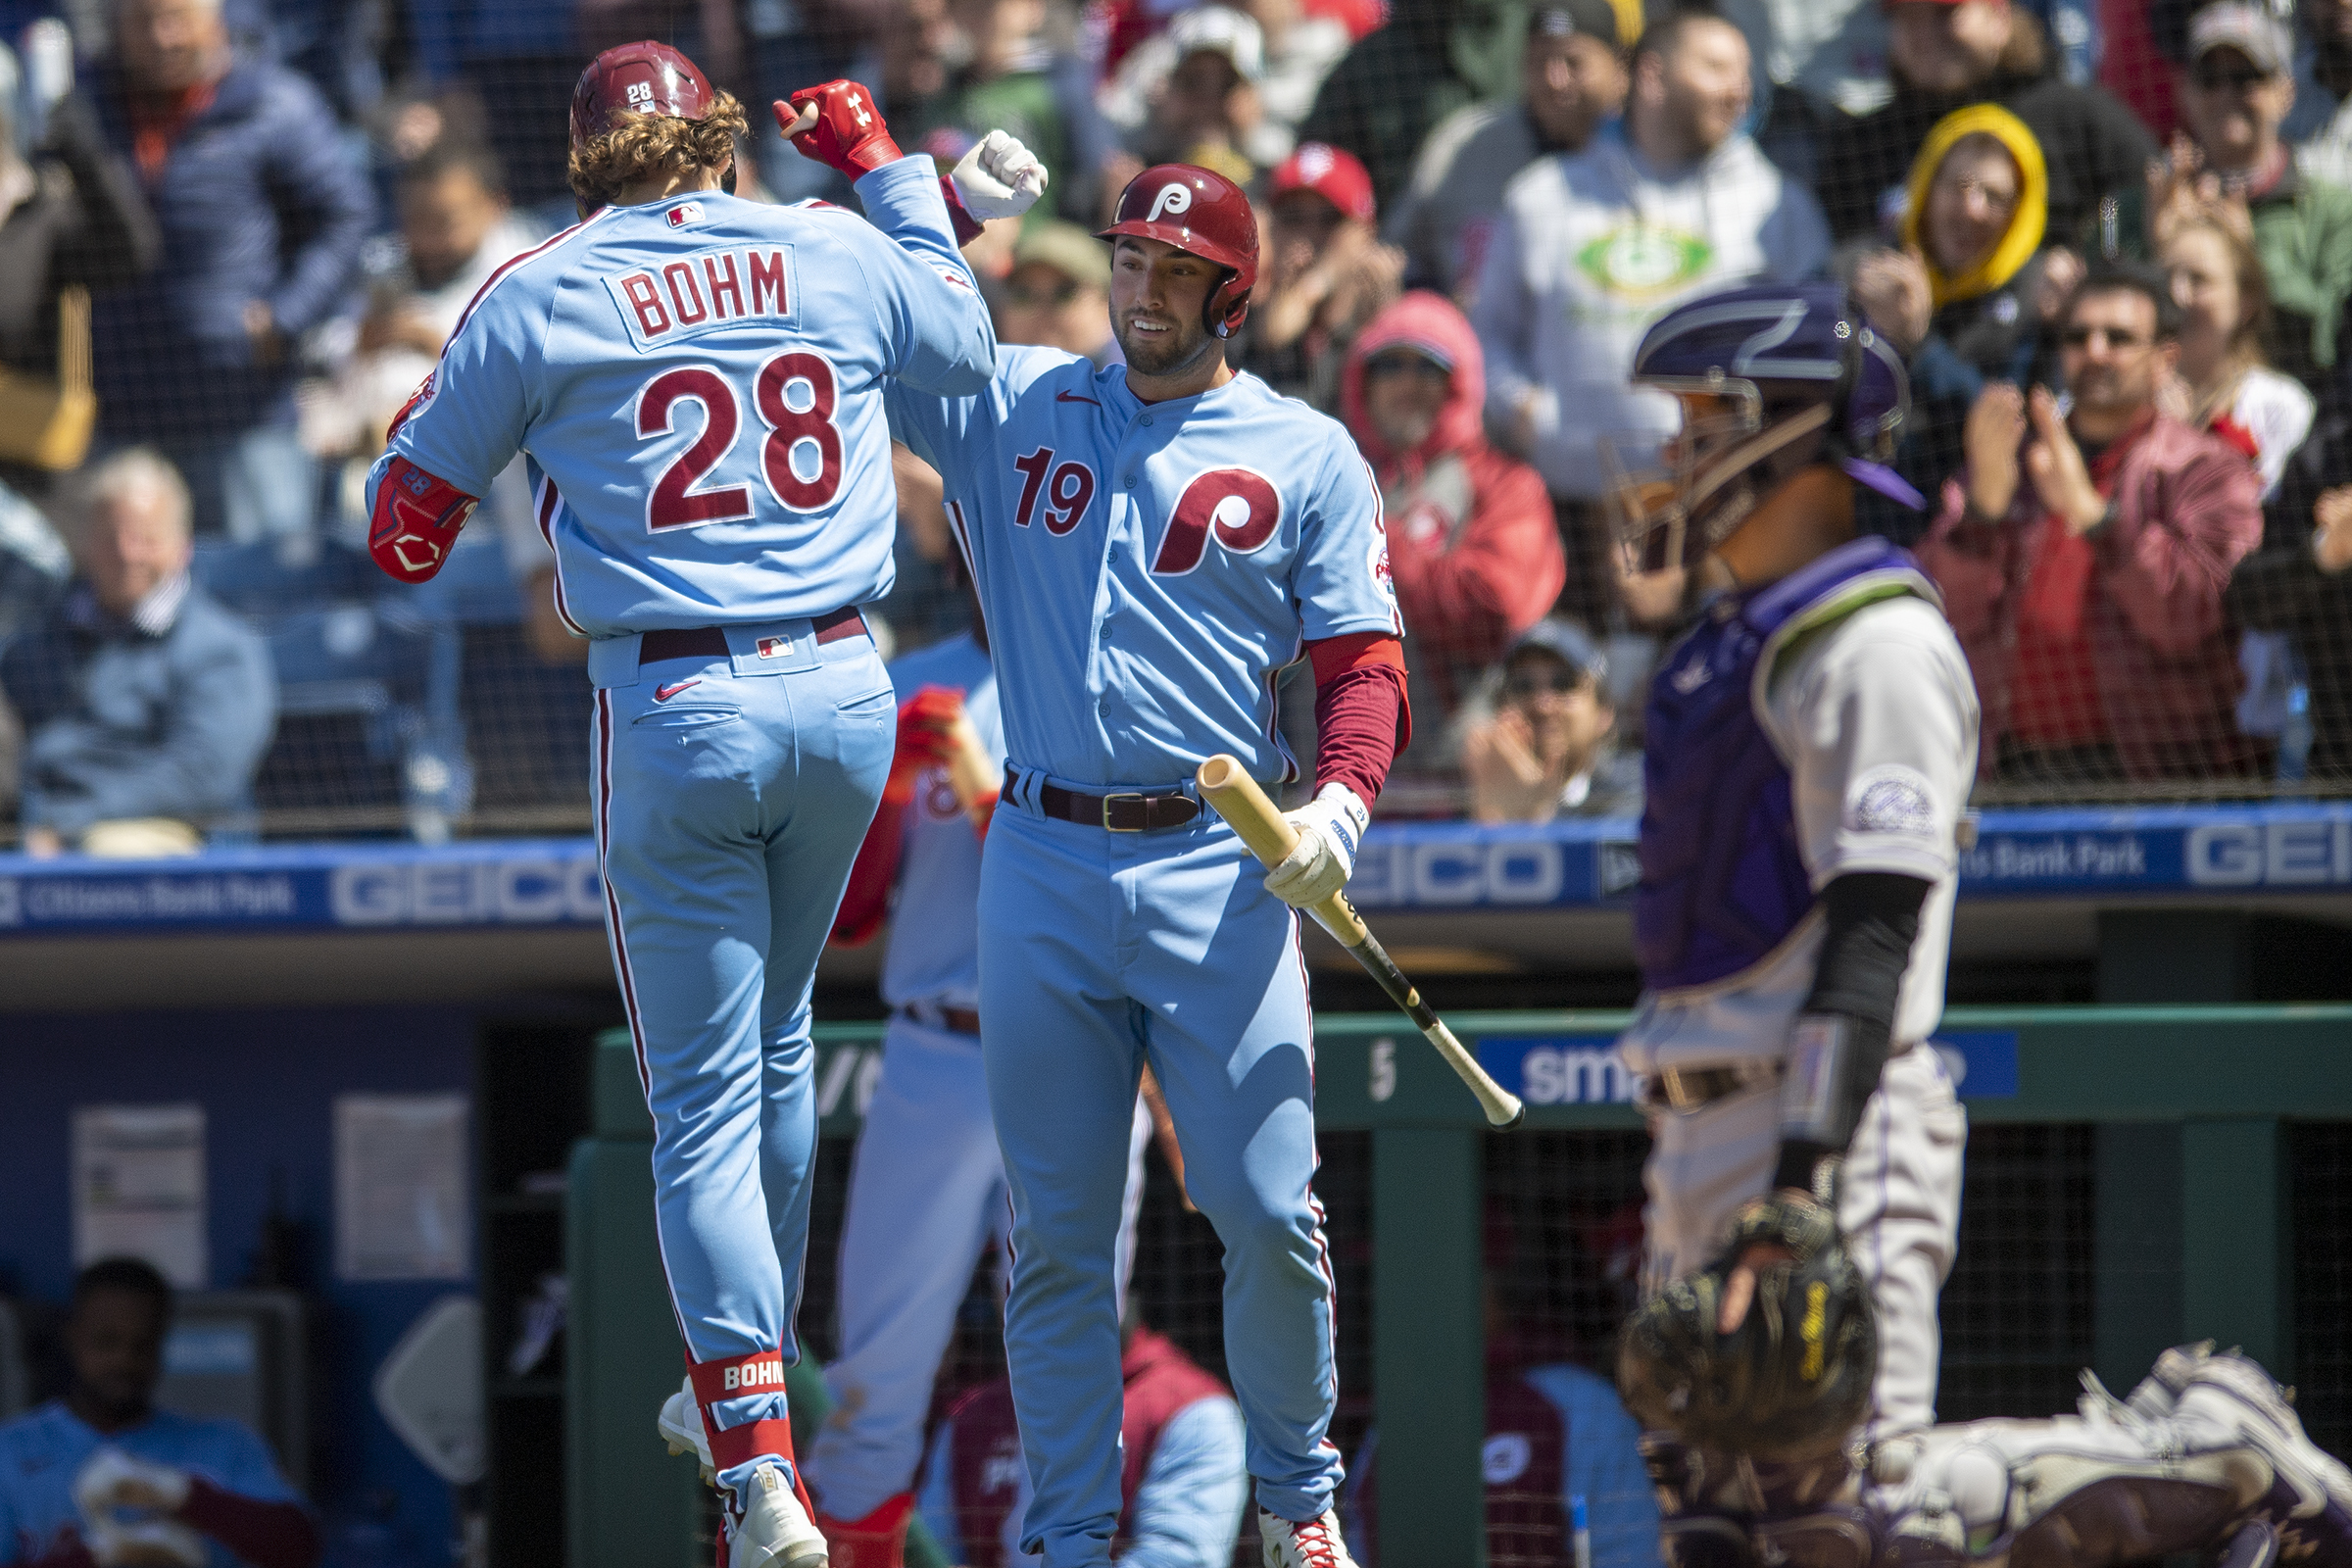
[(849, 134), (924, 721)]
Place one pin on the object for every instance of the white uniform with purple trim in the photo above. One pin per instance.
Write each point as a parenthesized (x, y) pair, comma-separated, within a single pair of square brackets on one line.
[(699, 380)]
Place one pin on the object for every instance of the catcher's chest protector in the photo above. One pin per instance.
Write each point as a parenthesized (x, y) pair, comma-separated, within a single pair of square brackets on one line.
[(1722, 879)]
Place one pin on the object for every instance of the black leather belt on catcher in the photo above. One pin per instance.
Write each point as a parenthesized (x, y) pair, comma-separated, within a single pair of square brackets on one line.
[(961, 1020), (710, 642), (1689, 1088), (1129, 811)]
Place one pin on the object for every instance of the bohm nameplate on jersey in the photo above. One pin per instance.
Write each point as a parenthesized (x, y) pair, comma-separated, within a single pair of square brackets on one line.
[(667, 302)]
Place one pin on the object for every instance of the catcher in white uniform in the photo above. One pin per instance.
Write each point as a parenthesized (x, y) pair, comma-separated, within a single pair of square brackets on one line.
[(1810, 747)]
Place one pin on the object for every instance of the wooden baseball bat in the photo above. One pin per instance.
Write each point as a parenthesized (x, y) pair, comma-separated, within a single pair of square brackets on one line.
[(1236, 798)]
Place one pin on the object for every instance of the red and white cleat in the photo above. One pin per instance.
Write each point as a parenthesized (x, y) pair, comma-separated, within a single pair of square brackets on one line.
[(1316, 1543)]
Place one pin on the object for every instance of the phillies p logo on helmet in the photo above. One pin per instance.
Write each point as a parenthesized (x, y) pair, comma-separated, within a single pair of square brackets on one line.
[(1177, 199)]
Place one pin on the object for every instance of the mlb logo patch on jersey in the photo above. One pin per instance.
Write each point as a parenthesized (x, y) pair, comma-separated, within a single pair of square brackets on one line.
[(685, 213), (774, 647)]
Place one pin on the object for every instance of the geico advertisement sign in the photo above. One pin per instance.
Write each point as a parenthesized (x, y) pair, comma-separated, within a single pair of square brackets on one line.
[(2277, 855), (537, 890), (1459, 873)]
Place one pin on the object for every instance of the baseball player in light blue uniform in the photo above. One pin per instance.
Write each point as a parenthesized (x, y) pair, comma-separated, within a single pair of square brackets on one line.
[(927, 1189), (1153, 544), (696, 379)]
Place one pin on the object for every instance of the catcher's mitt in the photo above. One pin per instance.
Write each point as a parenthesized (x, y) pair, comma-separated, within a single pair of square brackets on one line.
[(1793, 1381)]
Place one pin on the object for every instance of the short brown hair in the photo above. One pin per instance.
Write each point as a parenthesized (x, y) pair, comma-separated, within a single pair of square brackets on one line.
[(642, 146)]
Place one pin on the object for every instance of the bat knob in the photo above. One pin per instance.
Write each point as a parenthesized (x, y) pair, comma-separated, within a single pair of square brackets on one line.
[(1518, 1115)]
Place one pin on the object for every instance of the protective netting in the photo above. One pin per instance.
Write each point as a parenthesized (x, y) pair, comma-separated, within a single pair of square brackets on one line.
[(251, 287), (1560, 1226), (2320, 1173)]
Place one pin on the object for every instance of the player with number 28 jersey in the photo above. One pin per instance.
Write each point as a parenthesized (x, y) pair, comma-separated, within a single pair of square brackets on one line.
[(698, 378)]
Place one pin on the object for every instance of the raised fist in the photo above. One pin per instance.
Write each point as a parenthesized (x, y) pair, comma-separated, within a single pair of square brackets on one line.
[(847, 133), (999, 177)]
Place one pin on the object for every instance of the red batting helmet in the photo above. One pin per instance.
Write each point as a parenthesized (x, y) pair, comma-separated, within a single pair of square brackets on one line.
[(644, 78), (1202, 212)]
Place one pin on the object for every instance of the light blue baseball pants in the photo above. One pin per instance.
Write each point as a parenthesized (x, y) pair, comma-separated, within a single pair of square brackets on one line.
[(728, 809), (1100, 951)]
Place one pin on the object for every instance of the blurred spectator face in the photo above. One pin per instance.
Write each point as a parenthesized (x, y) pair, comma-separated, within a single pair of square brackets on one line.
[(2234, 108), (1563, 708), (1202, 97), (444, 219), (997, 28), (1157, 294), (1405, 392), (2213, 307), (170, 45), (114, 1342), (2109, 352), (1047, 306), (1944, 48), (1302, 223), (1700, 90), (1571, 84), (920, 47), (1970, 202), (133, 538)]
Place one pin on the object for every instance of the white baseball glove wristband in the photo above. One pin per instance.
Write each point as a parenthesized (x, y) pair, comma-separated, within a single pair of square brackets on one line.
[(1330, 827), (999, 177)]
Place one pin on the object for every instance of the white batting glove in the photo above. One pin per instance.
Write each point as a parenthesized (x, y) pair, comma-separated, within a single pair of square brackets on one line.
[(111, 1479), (999, 177), (1330, 827)]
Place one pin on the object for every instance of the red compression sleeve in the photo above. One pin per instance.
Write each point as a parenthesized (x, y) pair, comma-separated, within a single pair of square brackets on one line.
[(267, 1535), (1362, 719), (867, 903)]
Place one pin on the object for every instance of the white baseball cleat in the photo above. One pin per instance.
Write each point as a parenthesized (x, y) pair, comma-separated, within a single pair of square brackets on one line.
[(1316, 1543), (774, 1531), (2311, 1495), (2153, 1396), (681, 1426)]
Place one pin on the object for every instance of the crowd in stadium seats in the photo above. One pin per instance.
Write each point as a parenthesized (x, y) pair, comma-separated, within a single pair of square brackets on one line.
[(2112, 240)]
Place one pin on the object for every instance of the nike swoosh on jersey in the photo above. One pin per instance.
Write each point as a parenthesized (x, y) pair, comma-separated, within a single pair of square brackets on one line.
[(1072, 397), (663, 694)]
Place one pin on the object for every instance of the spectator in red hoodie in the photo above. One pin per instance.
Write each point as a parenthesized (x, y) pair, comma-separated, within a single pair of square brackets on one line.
[(2084, 564), (1472, 543)]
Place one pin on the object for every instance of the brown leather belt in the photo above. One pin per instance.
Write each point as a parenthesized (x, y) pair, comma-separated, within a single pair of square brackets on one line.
[(1689, 1088), (1129, 811), (710, 642), (960, 1020)]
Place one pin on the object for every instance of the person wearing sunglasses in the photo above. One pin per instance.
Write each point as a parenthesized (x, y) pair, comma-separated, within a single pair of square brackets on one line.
[(1058, 293), (2083, 555), (2230, 165), (1544, 751), (1475, 554)]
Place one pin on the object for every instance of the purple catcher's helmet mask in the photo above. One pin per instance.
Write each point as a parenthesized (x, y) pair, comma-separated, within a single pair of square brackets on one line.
[(1803, 380)]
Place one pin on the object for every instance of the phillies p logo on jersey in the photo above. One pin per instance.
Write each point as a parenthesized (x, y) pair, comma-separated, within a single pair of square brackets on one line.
[(1172, 198)]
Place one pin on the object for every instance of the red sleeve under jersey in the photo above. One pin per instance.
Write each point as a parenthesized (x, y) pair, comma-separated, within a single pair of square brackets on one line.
[(1362, 719)]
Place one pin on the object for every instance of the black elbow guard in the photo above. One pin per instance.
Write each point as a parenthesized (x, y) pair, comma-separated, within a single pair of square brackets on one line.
[(1840, 1040)]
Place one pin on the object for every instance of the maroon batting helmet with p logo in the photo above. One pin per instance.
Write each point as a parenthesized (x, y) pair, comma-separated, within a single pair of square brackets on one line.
[(642, 78), (1202, 212)]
